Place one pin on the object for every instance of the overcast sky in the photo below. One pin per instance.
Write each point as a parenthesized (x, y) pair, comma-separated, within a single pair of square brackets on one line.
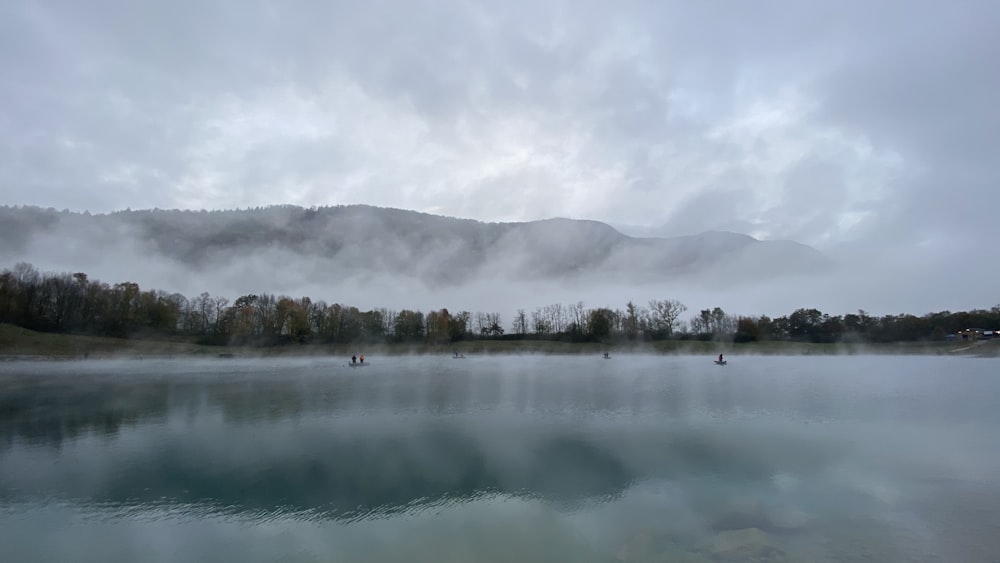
[(842, 124)]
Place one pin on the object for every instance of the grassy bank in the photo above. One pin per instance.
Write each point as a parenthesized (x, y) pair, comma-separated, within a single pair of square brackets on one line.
[(16, 342)]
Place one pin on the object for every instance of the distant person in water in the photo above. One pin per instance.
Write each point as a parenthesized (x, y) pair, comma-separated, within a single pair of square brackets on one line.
[(362, 358), (720, 358), (354, 359)]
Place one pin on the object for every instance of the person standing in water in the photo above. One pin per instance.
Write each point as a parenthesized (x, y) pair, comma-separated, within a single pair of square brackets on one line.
[(720, 358), (362, 358), (354, 359)]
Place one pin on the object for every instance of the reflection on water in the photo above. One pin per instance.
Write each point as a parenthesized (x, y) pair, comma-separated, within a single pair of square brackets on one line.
[(501, 459)]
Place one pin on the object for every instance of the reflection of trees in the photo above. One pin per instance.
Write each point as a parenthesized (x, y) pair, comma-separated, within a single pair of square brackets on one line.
[(334, 472), (51, 412), (369, 460), (360, 473), (256, 399)]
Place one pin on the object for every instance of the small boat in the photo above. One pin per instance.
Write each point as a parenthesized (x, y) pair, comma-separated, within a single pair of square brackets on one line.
[(722, 363)]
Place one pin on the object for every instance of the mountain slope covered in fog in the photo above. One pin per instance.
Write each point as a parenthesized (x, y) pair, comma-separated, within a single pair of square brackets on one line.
[(338, 243)]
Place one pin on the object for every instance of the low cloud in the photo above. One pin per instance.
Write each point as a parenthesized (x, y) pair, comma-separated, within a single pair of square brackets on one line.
[(862, 130)]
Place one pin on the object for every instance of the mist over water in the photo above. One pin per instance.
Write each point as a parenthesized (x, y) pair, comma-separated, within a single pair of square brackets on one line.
[(509, 458), (373, 258)]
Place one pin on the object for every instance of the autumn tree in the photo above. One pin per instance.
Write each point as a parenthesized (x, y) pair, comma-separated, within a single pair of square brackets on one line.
[(746, 330), (241, 319), (409, 325), (714, 323), (438, 326), (459, 327), (371, 325), (599, 323)]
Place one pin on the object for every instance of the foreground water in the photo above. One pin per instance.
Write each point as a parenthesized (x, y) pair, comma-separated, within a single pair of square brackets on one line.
[(419, 459)]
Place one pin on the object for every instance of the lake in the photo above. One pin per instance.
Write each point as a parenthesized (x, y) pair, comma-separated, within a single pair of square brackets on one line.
[(501, 458)]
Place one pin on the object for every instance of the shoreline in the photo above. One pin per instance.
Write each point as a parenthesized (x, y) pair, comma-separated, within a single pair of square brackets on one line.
[(18, 344)]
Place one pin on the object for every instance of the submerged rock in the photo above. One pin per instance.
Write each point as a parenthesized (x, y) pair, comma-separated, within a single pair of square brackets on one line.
[(740, 514), (744, 514), (638, 547), (749, 545), (649, 546)]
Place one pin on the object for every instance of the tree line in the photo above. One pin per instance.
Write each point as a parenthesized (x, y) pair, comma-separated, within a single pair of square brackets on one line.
[(73, 303)]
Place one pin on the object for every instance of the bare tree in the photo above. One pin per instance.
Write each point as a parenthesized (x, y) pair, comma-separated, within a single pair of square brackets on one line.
[(482, 323), (388, 317), (219, 313), (664, 315), (555, 318), (494, 328), (579, 315), (520, 325), (539, 322)]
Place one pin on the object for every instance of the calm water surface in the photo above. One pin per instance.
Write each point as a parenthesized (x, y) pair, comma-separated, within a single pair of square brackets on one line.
[(420, 459)]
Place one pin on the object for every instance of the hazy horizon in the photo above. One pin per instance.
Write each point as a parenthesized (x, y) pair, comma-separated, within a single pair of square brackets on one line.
[(130, 258)]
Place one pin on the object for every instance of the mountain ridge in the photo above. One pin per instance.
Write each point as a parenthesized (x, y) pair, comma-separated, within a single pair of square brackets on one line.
[(368, 240)]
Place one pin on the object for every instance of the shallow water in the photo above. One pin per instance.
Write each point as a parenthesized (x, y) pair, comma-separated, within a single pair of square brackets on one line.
[(638, 458)]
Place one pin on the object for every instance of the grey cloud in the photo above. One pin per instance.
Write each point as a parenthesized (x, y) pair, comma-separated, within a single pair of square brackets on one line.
[(930, 95), (861, 128)]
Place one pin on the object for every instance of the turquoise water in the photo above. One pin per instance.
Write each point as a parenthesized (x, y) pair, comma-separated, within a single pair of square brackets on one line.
[(638, 458)]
